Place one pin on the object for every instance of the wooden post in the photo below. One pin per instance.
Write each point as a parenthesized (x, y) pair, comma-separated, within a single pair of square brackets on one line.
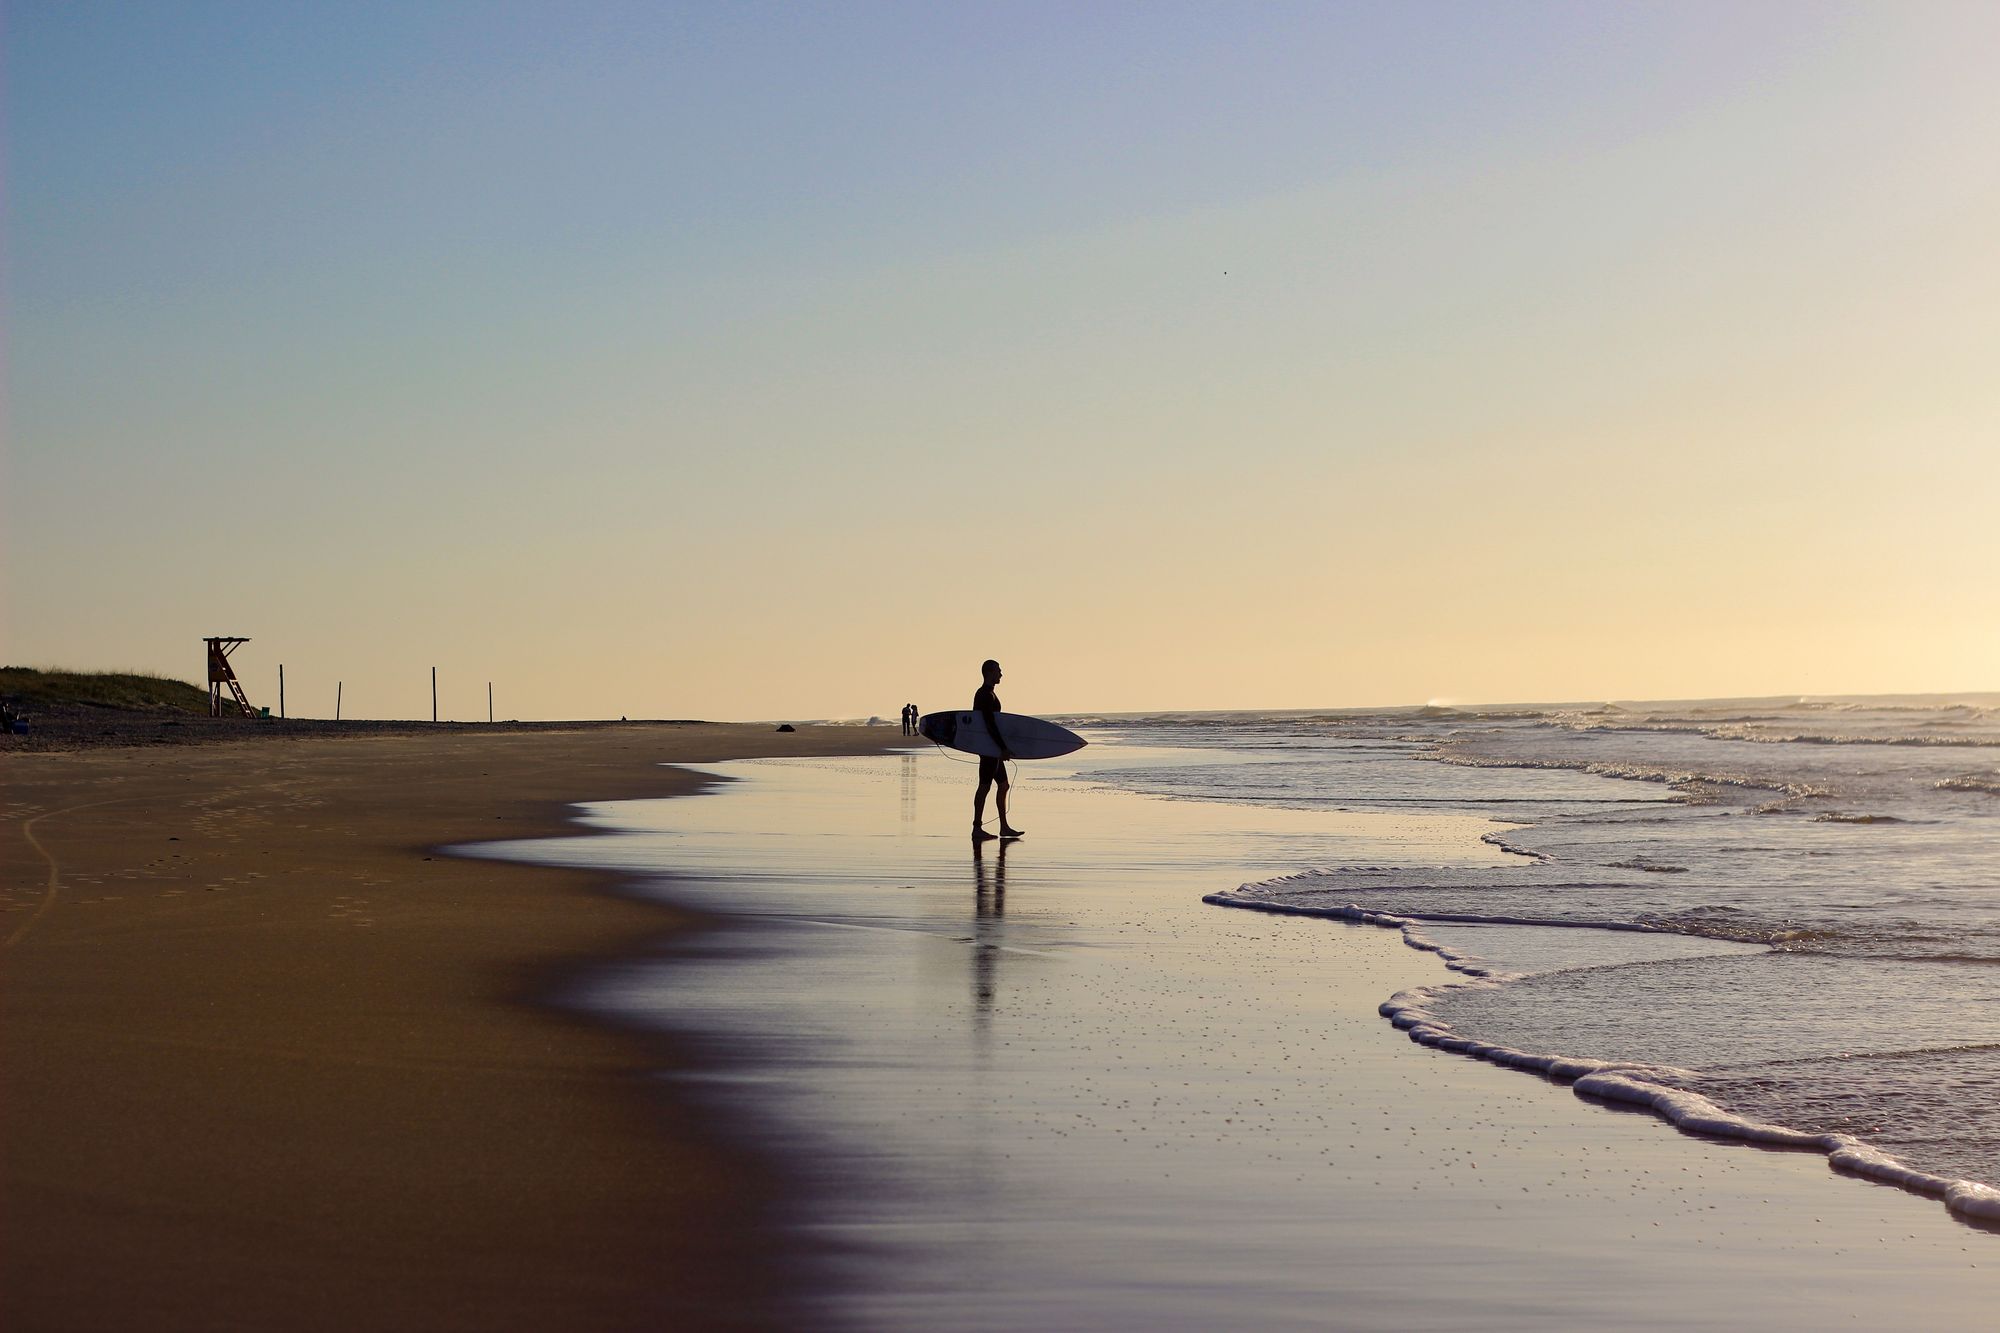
[(336, 699), (489, 702), (434, 694), (281, 691)]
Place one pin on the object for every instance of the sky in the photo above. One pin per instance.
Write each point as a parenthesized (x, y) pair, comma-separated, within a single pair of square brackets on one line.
[(747, 361)]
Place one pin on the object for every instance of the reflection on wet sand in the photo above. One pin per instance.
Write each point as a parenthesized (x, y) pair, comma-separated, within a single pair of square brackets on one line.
[(989, 896), (1170, 1116)]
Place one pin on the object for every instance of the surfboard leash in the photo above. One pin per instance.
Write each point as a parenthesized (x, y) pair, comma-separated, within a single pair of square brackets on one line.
[(1013, 772)]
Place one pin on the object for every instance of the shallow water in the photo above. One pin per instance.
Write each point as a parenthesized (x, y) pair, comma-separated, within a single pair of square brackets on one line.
[(1859, 840), (1049, 1087)]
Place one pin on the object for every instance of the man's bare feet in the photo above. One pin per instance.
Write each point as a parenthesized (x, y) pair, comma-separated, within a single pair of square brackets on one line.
[(981, 835), (1006, 832)]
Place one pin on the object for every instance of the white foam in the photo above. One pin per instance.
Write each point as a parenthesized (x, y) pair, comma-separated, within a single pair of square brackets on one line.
[(1647, 1086)]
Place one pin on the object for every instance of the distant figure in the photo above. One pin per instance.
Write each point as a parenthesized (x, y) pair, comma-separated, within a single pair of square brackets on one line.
[(991, 770), (915, 718)]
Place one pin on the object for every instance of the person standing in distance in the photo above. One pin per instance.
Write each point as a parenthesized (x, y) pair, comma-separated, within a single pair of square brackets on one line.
[(992, 771)]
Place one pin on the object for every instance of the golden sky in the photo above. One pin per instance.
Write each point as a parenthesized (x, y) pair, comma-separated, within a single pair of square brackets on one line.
[(648, 363)]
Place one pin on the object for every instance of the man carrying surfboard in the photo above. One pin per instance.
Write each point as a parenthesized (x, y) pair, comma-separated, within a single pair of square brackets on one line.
[(992, 768)]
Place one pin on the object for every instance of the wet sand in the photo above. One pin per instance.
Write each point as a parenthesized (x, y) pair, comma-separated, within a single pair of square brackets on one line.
[(1045, 1086), (272, 1061)]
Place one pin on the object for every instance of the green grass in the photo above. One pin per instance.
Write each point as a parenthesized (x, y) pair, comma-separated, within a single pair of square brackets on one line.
[(101, 689)]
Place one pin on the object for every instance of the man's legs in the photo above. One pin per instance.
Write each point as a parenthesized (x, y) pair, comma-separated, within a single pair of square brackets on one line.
[(992, 773), (979, 834)]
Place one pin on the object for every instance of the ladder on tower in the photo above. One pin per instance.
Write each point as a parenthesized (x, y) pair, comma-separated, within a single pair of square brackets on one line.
[(222, 676)]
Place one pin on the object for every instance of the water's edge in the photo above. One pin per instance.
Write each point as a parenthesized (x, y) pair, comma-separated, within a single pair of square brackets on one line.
[(1628, 1083)]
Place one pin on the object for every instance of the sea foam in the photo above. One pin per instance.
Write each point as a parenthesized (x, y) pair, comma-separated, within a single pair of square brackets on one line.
[(1651, 1087)]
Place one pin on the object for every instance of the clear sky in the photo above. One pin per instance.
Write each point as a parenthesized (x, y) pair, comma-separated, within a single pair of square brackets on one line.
[(764, 361)]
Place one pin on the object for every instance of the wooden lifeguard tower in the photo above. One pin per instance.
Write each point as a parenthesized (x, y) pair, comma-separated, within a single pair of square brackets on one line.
[(222, 676)]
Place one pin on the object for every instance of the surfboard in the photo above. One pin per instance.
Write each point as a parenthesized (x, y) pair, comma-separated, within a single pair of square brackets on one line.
[(1026, 737)]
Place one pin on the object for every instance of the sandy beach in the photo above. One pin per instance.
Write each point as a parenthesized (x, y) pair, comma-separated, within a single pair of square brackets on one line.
[(278, 1059), (1474, 521), (273, 1062)]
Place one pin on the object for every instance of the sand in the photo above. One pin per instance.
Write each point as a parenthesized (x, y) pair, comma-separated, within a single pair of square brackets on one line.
[(272, 1061), (275, 1060)]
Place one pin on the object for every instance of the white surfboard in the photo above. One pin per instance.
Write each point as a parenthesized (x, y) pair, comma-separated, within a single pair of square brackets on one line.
[(1026, 737)]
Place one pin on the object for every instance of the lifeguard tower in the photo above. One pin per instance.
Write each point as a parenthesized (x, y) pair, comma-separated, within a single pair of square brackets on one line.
[(221, 676)]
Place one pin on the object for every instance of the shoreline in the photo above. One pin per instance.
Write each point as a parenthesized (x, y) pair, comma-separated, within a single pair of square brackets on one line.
[(478, 1128), (276, 1059), (1048, 1086), (1973, 1202)]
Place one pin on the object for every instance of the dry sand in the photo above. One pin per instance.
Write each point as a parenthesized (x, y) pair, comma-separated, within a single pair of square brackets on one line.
[(272, 1062)]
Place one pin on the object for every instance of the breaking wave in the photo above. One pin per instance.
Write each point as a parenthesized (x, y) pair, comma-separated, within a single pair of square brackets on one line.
[(1833, 864)]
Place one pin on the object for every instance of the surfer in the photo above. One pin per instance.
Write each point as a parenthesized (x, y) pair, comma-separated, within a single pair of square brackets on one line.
[(993, 769)]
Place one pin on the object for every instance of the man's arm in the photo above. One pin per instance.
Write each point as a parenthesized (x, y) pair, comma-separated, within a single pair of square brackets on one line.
[(989, 710)]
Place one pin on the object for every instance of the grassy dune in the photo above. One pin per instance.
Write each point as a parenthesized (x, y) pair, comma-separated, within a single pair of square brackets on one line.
[(100, 689)]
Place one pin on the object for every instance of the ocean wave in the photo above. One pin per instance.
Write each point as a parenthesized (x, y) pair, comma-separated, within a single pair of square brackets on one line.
[(1764, 727), (1689, 783), (1914, 1053), (1946, 956), (1972, 711), (1310, 888), (1499, 841), (1297, 882), (1853, 861), (1457, 713), (1823, 738), (1652, 1087)]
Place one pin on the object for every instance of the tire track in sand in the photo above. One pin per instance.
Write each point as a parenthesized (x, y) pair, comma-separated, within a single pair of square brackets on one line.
[(55, 871)]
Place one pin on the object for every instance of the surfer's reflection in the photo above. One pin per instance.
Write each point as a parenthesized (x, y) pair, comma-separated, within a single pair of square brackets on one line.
[(989, 897)]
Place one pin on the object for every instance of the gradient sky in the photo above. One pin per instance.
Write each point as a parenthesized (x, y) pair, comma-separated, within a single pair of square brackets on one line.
[(765, 361)]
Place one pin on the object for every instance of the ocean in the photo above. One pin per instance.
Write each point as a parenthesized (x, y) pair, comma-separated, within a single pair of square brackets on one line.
[(1774, 918)]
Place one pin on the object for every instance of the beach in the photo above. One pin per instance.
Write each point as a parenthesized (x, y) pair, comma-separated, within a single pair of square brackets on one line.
[(1502, 493), (1044, 1085), (525, 1030), (275, 1062)]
